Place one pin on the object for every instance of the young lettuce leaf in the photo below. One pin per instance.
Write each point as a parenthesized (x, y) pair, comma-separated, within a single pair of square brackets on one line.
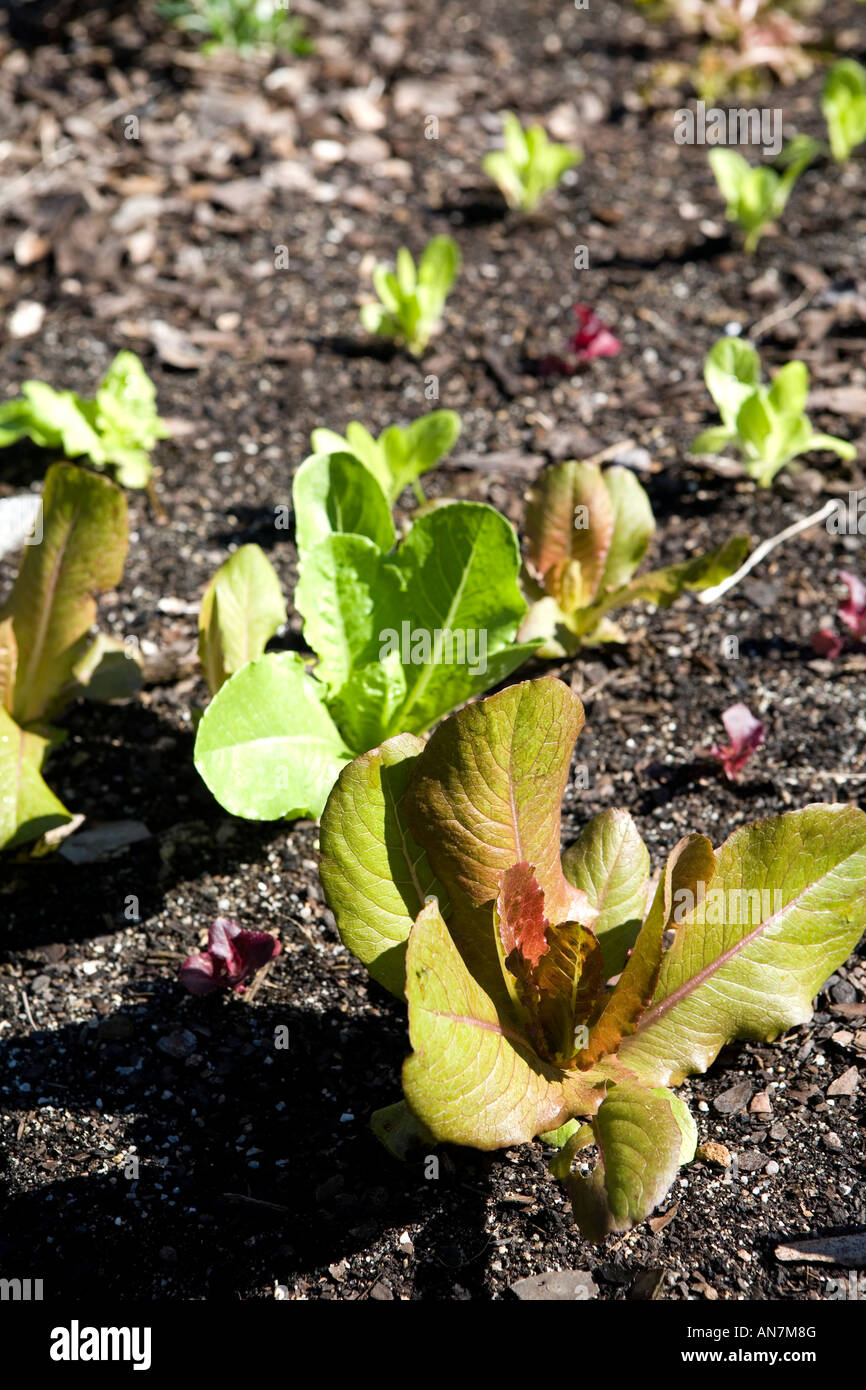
[(47, 655), (51, 607), (241, 610), (117, 429), (402, 637), (529, 166), (758, 195), (768, 423), (399, 457), (514, 1033), (412, 300), (844, 105), (587, 531)]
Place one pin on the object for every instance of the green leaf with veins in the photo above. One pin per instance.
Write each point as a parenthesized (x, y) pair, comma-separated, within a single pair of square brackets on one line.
[(28, 807), (610, 863), (644, 1135), (347, 594), (471, 1078), (376, 878), (335, 493), (784, 909), (241, 610), (82, 552), (266, 745), (482, 803)]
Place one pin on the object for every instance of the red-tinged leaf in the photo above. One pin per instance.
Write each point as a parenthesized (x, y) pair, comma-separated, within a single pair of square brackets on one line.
[(473, 1078), (233, 955), (593, 338), (486, 794), (522, 923), (569, 528), (570, 978), (827, 644), (853, 611), (689, 869), (746, 734)]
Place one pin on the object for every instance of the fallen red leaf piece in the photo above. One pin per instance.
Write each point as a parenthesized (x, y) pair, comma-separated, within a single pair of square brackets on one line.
[(746, 734), (593, 338), (853, 612), (232, 956), (827, 643)]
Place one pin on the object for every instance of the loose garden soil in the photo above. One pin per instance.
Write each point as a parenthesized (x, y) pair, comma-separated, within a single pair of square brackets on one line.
[(255, 1166)]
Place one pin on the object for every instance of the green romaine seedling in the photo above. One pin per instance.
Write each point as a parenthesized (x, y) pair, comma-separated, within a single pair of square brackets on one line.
[(242, 24), (844, 105), (412, 300), (768, 423), (402, 637), (47, 655), (117, 429), (758, 194), (399, 456), (529, 166), (587, 532), (542, 1002)]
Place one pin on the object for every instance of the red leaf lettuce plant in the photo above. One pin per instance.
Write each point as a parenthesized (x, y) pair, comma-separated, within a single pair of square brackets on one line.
[(592, 339), (233, 955), (587, 532), (852, 613), (542, 1002), (746, 735)]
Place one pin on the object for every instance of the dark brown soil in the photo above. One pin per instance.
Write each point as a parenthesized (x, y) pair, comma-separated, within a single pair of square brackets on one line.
[(255, 1165)]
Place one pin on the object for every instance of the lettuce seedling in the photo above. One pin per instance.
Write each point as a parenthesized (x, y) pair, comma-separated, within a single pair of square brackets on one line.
[(402, 636), (47, 654), (529, 166), (757, 195), (399, 457), (852, 613), (116, 429), (593, 339), (412, 300), (541, 999), (233, 955), (245, 25), (843, 102), (768, 423), (745, 734), (587, 532)]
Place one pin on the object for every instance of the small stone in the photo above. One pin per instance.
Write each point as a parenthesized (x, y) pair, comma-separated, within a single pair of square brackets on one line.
[(179, 1044), (26, 319), (714, 1153), (338, 1271), (772, 1168), (832, 1141), (735, 1099), (779, 1133), (761, 1104), (750, 1160), (846, 1084), (843, 993), (560, 1285), (383, 1293)]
